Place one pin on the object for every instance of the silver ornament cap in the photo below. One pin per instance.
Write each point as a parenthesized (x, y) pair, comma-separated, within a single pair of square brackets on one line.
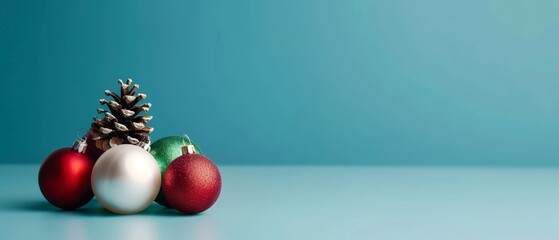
[(80, 145), (189, 148)]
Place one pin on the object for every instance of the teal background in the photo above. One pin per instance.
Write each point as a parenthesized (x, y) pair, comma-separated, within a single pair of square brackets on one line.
[(293, 82)]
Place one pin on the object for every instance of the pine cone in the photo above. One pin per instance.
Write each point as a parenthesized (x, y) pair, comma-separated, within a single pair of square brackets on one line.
[(121, 123)]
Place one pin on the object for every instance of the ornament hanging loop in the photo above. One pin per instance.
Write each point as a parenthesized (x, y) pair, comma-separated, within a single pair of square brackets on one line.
[(80, 133), (189, 148)]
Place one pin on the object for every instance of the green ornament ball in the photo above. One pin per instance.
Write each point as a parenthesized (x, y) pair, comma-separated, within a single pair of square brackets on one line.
[(165, 150)]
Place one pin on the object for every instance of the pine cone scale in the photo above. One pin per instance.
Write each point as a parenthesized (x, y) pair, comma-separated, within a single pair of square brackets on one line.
[(122, 123)]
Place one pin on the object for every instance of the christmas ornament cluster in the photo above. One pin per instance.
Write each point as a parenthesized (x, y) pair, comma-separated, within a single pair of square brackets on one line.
[(116, 162)]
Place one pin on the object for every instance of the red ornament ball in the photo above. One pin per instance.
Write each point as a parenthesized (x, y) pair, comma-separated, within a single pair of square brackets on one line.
[(191, 183), (65, 178)]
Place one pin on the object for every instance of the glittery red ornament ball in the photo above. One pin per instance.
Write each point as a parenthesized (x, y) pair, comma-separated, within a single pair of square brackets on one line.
[(65, 178), (191, 183)]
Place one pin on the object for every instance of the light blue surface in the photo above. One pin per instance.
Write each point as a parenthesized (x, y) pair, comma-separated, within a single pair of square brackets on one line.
[(304, 202), (429, 82)]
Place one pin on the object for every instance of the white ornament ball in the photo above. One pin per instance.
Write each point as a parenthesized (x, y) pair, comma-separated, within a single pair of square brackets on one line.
[(126, 179)]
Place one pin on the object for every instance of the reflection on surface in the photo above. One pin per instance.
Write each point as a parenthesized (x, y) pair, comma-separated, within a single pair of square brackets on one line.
[(91, 220), (138, 229), (204, 230), (74, 229)]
